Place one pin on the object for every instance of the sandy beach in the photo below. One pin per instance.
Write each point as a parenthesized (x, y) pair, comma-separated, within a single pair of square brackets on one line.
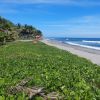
[(90, 54)]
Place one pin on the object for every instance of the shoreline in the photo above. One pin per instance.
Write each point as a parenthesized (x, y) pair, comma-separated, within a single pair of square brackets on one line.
[(90, 54)]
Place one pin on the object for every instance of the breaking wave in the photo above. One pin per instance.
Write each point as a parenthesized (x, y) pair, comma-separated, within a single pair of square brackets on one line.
[(97, 42), (91, 47)]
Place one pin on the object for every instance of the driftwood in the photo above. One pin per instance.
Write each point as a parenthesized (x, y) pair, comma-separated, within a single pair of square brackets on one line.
[(19, 87), (33, 91)]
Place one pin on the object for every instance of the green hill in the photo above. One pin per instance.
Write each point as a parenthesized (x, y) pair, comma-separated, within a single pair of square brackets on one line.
[(10, 31)]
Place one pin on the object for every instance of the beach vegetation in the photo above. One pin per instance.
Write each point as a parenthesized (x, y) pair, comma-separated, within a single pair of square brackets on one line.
[(57, 71), (11, 32)]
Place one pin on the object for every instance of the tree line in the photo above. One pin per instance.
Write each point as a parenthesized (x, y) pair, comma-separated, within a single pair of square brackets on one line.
[(10, 31)]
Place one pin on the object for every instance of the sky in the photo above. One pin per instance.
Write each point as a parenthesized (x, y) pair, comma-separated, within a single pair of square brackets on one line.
[(56, 18)]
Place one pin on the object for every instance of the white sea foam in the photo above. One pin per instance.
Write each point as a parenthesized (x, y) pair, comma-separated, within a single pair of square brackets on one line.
[(98, 42), (47, 39), (67, 39), (97, 48)]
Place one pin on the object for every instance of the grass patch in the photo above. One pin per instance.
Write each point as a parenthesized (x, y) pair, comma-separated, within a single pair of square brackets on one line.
[(56, 70)]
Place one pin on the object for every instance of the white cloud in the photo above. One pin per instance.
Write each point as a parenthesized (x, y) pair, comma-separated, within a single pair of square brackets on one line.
[(8, 11), (73, 2), (84, 20), (86, 26), (36, 1)]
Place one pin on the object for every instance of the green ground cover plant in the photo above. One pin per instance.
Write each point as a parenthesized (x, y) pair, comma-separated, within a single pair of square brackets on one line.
[(56, 70)]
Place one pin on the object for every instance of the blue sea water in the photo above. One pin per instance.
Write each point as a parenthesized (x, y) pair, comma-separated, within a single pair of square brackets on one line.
[(84, 42)]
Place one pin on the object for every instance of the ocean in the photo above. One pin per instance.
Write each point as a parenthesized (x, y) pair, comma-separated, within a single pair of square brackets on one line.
[(93, 43)]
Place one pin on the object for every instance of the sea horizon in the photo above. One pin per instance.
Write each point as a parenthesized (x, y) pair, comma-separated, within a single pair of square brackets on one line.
[(92, 43)]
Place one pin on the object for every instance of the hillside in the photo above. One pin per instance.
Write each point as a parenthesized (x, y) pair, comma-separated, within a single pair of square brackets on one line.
[(10, 31)]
